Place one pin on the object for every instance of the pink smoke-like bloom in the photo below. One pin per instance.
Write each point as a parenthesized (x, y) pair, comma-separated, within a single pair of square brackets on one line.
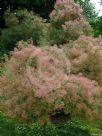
[(40, 76)]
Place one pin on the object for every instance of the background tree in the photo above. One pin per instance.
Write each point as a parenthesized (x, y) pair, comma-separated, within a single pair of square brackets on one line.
[(21, 25), (97, 26), (88, 9), (42, 7)]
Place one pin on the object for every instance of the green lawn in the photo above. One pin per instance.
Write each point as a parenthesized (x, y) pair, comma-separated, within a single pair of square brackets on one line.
[(9, 127)]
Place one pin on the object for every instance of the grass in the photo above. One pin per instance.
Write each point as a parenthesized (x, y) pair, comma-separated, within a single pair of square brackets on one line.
[(10, 127)]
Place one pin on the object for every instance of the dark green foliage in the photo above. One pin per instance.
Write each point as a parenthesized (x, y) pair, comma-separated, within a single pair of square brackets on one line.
[(97, 26), (20, 26), (12, 35)]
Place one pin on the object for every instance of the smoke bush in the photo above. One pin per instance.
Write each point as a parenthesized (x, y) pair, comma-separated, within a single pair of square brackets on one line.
[(67, 22), (35, 84), (85, 55)]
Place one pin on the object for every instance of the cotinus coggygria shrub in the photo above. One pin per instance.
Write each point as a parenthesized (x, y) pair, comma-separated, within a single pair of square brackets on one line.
[(37, 82), (67, 22)]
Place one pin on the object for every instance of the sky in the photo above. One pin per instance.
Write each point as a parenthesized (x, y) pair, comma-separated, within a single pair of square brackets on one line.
[(97, 6)]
